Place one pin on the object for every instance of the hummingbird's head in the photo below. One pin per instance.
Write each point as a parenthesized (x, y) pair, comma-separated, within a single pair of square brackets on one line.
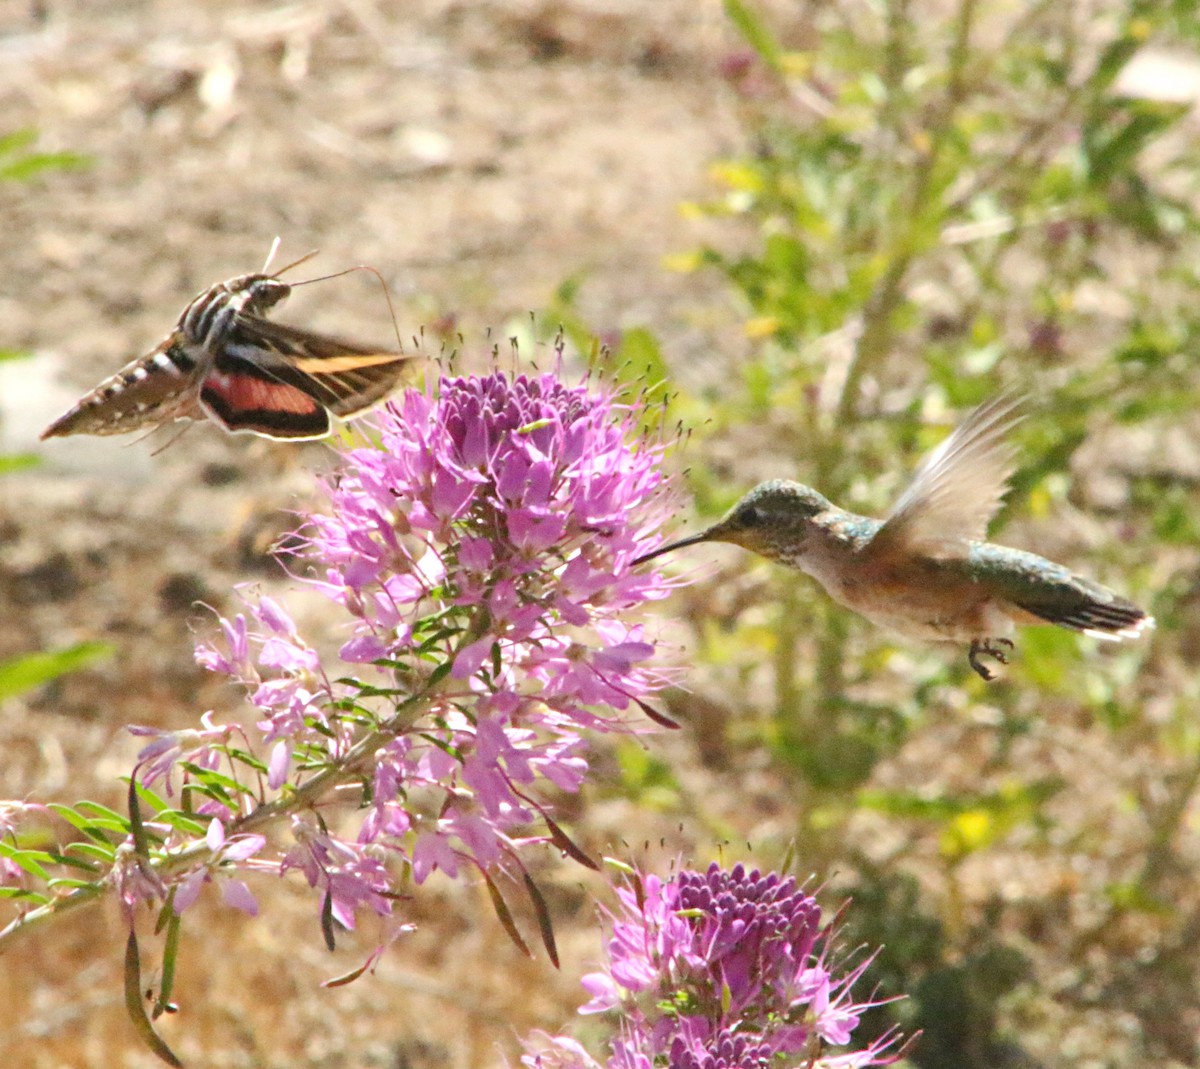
[(774, 519)]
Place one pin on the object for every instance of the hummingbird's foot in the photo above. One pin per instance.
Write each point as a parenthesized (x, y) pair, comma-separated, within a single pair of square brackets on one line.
[(992, 648)]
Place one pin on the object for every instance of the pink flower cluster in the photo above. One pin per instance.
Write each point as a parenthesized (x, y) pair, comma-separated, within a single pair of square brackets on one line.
[(481, 557), (721, 970)]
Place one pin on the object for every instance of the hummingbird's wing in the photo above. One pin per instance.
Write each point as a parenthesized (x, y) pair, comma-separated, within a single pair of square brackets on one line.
[(958, 487)]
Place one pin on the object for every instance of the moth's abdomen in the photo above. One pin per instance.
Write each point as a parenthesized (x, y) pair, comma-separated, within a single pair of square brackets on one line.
[(149, 391)]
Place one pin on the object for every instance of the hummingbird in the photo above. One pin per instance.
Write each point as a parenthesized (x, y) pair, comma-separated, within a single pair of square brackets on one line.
[(925, 570)]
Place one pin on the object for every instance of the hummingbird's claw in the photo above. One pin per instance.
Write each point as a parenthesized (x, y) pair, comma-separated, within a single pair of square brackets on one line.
[(992, 648)]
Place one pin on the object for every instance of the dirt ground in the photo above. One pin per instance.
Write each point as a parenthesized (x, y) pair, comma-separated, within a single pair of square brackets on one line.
[(476, 154)]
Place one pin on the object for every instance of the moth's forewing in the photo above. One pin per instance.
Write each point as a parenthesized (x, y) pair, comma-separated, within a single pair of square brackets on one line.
[(343, 376)]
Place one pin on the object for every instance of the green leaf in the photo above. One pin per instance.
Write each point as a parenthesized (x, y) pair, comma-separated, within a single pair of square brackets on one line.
[(23, 895), (32, 861), (105, 815), (155, 801), (18, 139), (25, 673), (1113, 60), (67, 884), (141, 841), (1124, 133), (102, 852), (755, 32), (213, 791), (170, 958), (641, 353), (10, 462), (969, 821), (182, 822), (67, 813), (136, 1009), (210, 777), (35, 163)]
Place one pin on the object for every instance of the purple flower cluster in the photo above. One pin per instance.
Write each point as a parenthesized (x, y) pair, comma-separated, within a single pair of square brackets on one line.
[(481, 555), (722, 970)]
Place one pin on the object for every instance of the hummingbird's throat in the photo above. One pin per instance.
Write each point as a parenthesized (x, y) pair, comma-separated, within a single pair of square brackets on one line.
[(791, 554)]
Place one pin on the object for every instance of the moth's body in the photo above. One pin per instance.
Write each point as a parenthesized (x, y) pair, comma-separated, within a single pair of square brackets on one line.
[(226, 361), (924, 571)]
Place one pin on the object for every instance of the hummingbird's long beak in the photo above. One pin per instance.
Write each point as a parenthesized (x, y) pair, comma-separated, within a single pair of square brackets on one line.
[(704, 536)]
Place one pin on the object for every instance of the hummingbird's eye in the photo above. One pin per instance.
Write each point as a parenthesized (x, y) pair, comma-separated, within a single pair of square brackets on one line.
[(750, 516)]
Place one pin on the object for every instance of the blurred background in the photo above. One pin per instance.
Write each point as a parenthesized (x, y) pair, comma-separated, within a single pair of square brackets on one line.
[(829, 229)]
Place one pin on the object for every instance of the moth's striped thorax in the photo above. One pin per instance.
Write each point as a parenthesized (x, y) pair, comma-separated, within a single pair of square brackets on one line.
[(206, 321)]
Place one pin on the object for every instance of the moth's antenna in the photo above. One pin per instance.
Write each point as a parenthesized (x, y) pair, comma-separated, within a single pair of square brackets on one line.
[(295, 263), (271, 253), (357, 267)]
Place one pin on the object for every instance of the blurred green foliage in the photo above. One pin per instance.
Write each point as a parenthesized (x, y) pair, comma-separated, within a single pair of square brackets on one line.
[(19, 162), (29, 671), (936, 202)]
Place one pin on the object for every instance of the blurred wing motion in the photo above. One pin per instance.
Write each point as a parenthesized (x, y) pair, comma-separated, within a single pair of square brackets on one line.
[(958, 488), (226, 361), (282, 382)]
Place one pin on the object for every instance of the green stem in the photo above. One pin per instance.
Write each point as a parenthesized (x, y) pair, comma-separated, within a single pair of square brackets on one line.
[(787, 692), (907, 242), (304, 797)]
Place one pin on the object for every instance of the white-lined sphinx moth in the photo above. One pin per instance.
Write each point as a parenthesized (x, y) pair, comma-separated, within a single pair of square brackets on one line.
[(226, 361)]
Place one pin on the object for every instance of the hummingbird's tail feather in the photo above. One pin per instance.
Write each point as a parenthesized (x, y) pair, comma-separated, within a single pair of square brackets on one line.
[(1094, 611)]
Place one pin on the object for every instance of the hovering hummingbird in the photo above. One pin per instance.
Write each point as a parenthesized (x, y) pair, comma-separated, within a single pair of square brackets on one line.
[(925, 571)]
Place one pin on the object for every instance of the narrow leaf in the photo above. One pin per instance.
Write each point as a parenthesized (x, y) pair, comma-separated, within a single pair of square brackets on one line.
[(505, 916), (757, 36), (101, 816), (31, 861), (20, 894), (25, 673), (163, 1003), (87, 856), (68, 814), (135, 1008), (189, 826), (155, 801), (18, 139), (567, 845), (545, 924), (349, 977), (140, 842), (661, 719), (10, 462), (27, 166), (327, 929)]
